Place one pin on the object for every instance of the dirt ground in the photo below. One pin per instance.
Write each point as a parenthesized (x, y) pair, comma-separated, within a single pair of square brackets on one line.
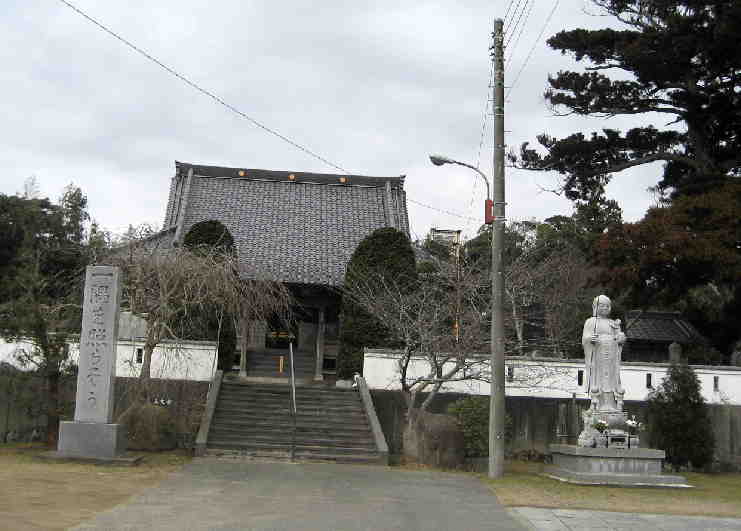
[(37, 494)]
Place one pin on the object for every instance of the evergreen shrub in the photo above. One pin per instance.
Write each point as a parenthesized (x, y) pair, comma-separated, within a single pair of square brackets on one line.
[(386, 252), (679, 420), (472, 414)]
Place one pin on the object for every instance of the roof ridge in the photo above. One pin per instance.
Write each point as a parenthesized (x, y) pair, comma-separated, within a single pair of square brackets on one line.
[(256, 174)]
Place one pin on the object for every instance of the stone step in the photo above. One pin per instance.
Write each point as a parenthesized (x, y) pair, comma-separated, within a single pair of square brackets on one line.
[(285, 438), (276, 361), (280, 432), (301, 396), (286, 446), (284, 455), (302, 411), (356, 422), (286, 367), (257, 403), (302, 424), (280, 390)]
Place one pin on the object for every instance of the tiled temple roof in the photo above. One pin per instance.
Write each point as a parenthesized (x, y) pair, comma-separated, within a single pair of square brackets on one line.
[(294, 227), (661, 326)]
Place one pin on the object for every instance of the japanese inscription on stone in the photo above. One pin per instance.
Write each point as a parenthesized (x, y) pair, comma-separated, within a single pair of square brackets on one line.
[(97, 363)]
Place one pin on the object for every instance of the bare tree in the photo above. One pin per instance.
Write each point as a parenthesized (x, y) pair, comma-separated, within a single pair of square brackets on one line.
[(547, 287), (422, 320), (169, 286)]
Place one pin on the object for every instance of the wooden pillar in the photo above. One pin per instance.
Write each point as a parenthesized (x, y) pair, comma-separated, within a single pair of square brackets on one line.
[(318, 374), (244, 336)]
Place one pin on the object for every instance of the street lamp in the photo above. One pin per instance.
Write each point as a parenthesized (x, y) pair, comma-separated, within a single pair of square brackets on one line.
[(439, 160), (496, 417)]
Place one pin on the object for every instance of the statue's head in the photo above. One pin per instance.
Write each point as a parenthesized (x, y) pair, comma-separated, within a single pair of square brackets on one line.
[(601, 306)]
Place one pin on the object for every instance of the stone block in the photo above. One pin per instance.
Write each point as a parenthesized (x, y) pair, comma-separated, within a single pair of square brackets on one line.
[(91, 440), (611, 466)]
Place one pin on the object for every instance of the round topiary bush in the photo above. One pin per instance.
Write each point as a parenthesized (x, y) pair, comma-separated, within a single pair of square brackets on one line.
[(211, 233), (384, 253)]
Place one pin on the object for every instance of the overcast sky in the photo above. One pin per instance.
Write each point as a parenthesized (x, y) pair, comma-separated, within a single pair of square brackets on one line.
[(371, 86)]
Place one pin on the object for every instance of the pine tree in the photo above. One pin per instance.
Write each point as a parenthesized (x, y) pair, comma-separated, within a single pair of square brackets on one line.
[(679, 420)]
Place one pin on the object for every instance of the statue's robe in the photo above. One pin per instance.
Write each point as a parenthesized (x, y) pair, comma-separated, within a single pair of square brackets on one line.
[(602, 359)]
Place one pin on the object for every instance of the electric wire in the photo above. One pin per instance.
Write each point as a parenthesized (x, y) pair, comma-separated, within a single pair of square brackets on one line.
[(509, 6), (448, 212), (517, 24), (519, 35), (204, 91), (506, 25), (532, 49)]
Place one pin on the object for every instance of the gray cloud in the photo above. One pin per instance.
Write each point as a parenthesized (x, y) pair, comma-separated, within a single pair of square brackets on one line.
[(373, 86)]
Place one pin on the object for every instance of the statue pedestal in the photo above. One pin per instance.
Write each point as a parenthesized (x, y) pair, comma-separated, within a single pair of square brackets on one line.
[(625, 467)]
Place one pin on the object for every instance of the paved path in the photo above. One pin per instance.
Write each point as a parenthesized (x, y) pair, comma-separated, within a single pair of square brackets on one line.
[(228, 494), (573, 520)]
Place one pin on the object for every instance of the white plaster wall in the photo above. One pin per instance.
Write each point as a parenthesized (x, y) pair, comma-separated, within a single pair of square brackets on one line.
[(174, 361), (556, 378)]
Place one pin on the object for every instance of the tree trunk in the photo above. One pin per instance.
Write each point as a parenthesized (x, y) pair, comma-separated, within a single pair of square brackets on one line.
[(7, 414), (145, 374), (52, 409)]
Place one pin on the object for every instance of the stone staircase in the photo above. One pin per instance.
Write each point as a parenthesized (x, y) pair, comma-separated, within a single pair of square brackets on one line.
[(266, 364), (255, 420)]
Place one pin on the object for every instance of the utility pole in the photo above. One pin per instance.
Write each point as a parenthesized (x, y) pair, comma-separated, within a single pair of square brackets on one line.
[(496, 408)]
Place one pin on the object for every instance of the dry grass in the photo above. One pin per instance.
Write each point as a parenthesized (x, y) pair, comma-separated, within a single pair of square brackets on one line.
[(49, 495), (713, 495)]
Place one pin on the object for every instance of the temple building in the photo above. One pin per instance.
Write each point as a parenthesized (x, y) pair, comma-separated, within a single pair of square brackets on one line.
[(295, 227)]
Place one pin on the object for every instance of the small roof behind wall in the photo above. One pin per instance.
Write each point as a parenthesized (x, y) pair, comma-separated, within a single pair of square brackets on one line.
[(665, 327)]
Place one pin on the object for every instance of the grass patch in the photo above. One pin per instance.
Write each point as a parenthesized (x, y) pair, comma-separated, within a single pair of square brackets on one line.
[(713, 495), (58, 495)]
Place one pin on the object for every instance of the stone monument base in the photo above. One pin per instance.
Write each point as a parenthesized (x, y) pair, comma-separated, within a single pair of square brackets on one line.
[(626, 467), (91, 440)]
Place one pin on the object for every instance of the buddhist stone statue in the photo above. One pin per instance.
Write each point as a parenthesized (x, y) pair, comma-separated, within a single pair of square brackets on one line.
[(603, 342)]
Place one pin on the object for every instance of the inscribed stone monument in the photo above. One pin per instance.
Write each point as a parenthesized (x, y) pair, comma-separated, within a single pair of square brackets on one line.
[(92, 434)]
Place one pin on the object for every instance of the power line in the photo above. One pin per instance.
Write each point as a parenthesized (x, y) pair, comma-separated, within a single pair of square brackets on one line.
[(532, 49), (527, 4), (508, 24), (519, 35), (483, 115), (448, 212), (509, 6), (204, 91)]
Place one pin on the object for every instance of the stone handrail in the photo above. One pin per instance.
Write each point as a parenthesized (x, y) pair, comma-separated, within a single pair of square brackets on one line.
[(370, 411), (208, 414)]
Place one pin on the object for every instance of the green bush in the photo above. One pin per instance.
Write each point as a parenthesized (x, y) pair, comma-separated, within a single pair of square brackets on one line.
[(386, 252), (472, 414), (679, 420)]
